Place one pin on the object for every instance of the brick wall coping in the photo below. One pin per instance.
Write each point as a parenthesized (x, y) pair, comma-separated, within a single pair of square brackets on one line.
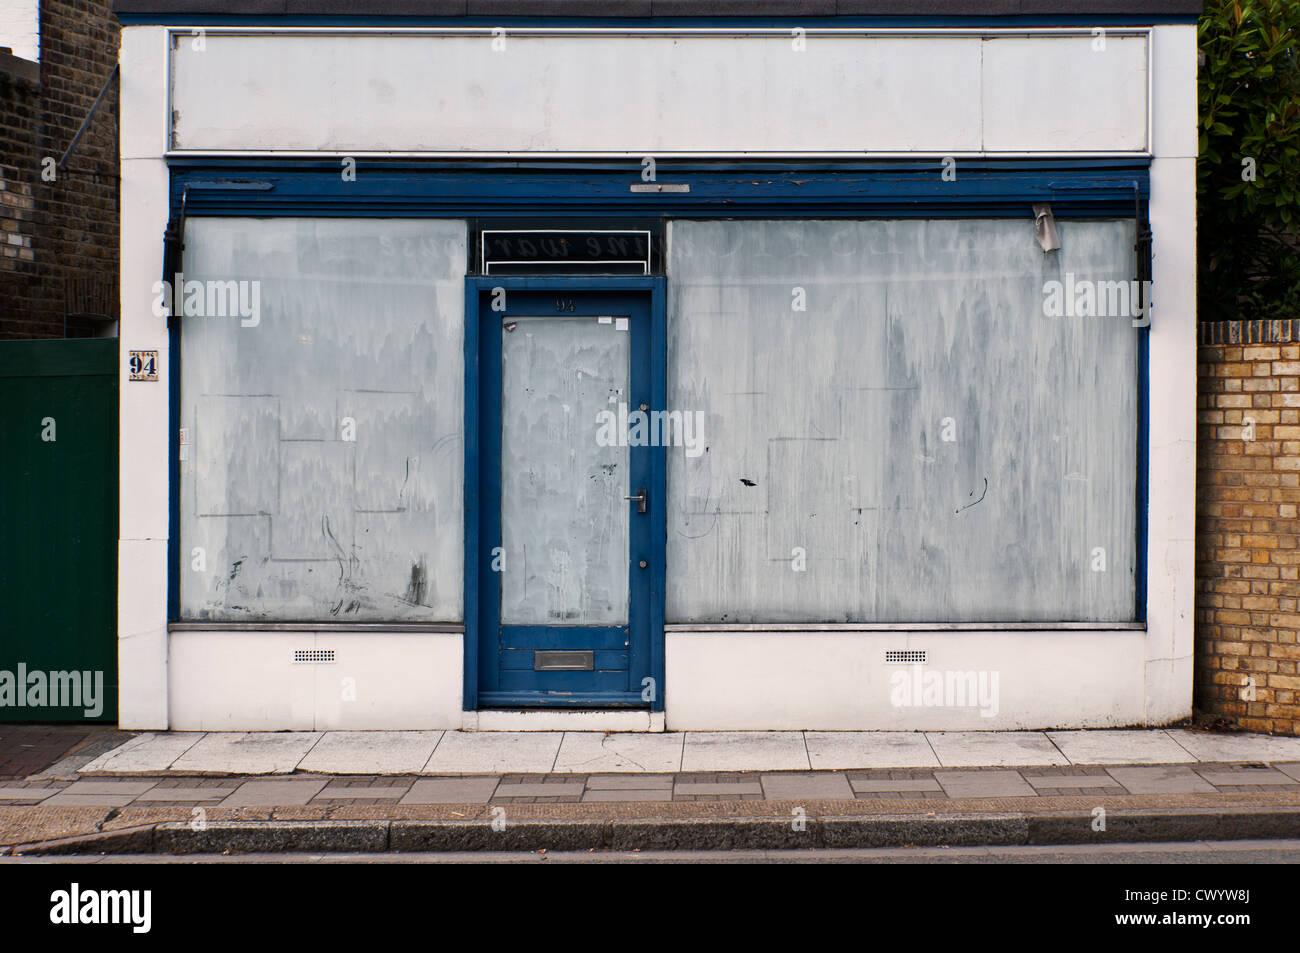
[(18, 70), (1279, 331)]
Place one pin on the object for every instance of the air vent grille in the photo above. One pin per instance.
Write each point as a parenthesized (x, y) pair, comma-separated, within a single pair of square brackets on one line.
[(905, 656), (313, 656)]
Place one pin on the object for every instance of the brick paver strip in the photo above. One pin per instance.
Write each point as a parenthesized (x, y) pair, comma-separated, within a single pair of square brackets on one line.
[(1062, 770), (1161, 780), (29, 749), (450, 791), (538, 790), (1072, 781), (626, 794), (630, 782), (785, 787), (983, 784), (1249, 777), (274, 793), (877, 785), (697, 788)]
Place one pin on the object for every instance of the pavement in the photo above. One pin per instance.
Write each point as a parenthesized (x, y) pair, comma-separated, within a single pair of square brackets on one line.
[(199, 793), (28, 749)]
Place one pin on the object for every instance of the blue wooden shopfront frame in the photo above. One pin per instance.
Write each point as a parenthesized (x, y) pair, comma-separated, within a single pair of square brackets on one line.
[(565, 192)]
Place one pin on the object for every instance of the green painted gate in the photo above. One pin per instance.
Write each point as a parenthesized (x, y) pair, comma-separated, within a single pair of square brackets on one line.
[(58, 530)]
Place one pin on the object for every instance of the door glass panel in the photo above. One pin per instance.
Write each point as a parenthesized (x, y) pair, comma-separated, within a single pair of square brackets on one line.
[(564, 522)]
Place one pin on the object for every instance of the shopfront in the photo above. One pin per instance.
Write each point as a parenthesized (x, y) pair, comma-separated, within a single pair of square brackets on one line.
[(657, 372)]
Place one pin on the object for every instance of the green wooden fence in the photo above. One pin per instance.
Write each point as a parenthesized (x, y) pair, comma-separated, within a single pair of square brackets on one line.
[(58, 530)]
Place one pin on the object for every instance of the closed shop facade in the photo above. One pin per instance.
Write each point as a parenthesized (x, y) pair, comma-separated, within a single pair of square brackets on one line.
[(645, 371)]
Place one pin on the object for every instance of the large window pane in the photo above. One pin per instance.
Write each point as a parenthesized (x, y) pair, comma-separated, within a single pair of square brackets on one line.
[(896, 430), (322, 473)]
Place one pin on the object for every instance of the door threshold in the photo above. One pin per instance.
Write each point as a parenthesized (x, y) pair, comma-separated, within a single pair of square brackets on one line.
[(536, 719)]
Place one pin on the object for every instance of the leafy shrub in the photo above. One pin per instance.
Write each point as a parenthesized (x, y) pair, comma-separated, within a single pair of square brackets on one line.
[(1249, 103)]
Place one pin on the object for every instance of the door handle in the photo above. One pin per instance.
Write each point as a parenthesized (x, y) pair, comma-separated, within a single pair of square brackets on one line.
[(642, 500)]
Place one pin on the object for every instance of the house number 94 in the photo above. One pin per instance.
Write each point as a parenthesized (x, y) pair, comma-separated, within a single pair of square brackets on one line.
[(563, 304)]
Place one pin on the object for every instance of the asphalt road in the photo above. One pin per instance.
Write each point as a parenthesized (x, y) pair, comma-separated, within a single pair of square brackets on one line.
[(1200, 852)]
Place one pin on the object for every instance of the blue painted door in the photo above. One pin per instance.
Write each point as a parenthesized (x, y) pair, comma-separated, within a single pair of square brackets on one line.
[(567, 550)]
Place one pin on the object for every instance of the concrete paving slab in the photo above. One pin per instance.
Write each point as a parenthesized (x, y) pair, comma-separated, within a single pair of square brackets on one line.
[(699, 788), (560, 789), (371, 752), (786, 787), (495, 752), (450, 791), (1216, 746), (627, 795), (587, 751), (984, 784), (838, 750), (883, 785), (109, 787), (26, 794), (745, 751), (275, 793), (971, 749), (1120, 747), (1162, 780), (185, 794), (1291, 770), (88, 800), (149, 753), (254, 752), (393, 791), (630, 782)]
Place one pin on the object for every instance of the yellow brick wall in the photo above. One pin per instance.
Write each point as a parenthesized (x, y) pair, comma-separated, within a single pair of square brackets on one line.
[(1247, 534)]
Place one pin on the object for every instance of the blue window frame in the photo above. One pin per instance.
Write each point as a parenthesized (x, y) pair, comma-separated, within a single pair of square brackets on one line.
[(568, 192)]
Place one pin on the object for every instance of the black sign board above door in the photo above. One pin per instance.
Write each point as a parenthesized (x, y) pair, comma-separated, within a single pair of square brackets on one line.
[(567, 251)]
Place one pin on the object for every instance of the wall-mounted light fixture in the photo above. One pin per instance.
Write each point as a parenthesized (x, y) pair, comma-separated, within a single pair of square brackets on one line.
[(1045, 228)]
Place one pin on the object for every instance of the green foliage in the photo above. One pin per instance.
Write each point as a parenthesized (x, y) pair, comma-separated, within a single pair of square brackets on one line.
[(1249, 103)]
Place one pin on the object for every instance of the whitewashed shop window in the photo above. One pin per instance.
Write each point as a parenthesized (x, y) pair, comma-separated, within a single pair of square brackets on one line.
[(322, 458), (899, 427)]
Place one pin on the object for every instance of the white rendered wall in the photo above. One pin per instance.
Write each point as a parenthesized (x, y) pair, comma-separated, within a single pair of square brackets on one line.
[(143, 419), (20, 28), (248, 681), (839, 681), (1048, 678), (1172, 447), (660, 93)]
